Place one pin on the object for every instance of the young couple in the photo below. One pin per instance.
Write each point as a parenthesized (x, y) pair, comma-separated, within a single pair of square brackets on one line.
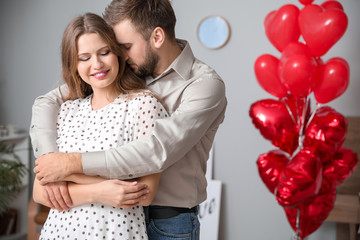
[(109, 127)]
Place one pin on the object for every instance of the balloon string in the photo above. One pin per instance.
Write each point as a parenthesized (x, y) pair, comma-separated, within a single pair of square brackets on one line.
[(302, 121), (297, 226), (290, 112), (318, 105)]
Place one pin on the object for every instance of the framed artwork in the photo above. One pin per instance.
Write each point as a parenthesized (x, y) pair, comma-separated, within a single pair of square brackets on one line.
[(213, 32), (209, 210)]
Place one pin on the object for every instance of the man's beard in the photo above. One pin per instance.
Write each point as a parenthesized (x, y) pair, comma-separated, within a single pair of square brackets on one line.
[(149, 65)]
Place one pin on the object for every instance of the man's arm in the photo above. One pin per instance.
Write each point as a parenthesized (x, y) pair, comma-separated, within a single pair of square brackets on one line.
[(54, 167), (202, 109), (43, 122), (43, 133)]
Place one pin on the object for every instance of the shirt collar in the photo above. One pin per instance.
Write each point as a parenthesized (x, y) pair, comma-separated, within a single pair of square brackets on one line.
[(182, 64)]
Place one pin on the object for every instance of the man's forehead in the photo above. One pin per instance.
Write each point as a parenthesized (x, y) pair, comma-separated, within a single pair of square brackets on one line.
[(125, 32)]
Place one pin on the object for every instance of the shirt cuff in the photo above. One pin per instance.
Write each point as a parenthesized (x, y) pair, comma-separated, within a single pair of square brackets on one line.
[(47, 145), (94, 163)]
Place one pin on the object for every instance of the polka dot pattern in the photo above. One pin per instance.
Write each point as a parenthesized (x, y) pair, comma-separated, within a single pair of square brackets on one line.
[(81, 129)]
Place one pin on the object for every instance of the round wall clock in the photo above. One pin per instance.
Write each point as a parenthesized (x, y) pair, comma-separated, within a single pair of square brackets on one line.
[(213, 31)]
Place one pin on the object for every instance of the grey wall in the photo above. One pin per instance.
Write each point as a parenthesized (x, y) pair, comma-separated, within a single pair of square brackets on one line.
[(30, 65)]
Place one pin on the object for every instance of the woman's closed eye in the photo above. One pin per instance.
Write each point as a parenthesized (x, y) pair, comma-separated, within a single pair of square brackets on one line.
[(104, 53), (83, 58)]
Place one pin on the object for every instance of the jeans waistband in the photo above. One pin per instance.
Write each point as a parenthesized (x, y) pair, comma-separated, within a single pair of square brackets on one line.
[(161, 212)]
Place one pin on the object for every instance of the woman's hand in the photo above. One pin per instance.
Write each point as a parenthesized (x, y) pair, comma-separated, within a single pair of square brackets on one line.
[(57, 195), (119, 193)]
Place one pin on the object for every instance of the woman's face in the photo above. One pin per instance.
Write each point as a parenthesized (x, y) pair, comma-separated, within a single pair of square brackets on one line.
[(97, 65)]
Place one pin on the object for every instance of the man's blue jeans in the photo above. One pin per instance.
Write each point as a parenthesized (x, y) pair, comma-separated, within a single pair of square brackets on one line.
[(185, 226)]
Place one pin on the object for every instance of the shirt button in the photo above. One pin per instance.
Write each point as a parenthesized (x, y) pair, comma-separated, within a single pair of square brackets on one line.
[(130, 175), (32, 126), (36, 149)]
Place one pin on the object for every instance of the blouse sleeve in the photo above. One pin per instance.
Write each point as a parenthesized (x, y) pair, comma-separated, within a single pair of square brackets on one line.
[(149, 109), (61, 119)]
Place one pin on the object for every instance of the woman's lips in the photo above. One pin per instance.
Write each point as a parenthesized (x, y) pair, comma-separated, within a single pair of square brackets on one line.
[(100, 75)]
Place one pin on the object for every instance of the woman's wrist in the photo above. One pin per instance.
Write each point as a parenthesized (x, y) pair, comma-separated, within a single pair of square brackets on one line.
[(83, 193)]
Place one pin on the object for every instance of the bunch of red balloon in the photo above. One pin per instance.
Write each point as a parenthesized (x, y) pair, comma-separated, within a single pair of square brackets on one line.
[(309, 161)]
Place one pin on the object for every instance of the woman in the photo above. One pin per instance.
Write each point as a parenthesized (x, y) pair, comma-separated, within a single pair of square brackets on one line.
[(106, 107)]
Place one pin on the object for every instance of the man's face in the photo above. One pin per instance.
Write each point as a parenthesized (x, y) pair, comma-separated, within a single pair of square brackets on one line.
[(136, 50)]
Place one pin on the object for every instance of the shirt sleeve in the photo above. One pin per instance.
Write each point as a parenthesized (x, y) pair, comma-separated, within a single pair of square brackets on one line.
[(43, 121), (201, 110)]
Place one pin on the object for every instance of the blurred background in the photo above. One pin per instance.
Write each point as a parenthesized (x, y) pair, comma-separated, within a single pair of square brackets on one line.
[(30, 40)]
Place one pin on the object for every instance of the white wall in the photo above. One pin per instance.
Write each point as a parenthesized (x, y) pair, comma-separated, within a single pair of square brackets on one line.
[(30, 65)]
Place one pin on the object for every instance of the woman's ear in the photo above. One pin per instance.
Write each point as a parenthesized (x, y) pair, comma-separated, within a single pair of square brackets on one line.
[(158, 37)]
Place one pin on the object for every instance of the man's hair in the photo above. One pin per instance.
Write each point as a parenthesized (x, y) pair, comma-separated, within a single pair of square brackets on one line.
[(145, 15)]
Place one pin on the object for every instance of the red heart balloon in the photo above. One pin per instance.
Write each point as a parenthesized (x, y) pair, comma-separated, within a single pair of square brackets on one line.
[(332, 4), (266, 71), (326, 131), (273, 120), (281, 26), (296, 73), (306, 2), (332, 80), (300, 179), (270, 166), (340, 166), (312, 213), (294, 48), (321, 28)]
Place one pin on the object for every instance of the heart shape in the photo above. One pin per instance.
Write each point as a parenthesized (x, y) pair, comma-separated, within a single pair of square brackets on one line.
[(332, 4), (312, 213), (294, 48), (326, 132), (300, 179), (297, 72), (322, 27), (281, 26), (332, 80), (275, 123), (306, 2), (270, 166), (341, 165), (266, 71)]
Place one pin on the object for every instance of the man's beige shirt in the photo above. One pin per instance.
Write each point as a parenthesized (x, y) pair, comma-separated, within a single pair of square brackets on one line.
[(179, 146)]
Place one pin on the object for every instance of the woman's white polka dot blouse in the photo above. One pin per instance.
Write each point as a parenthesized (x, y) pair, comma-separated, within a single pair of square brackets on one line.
[(81, 129)]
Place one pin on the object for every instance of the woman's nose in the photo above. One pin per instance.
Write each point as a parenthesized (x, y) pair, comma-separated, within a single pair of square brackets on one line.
[(98, 63)]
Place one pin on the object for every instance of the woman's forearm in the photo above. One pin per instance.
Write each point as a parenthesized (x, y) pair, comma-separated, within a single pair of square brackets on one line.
[(152, 181), (114, 193), (83, 179), (38, 194), (79, 193)]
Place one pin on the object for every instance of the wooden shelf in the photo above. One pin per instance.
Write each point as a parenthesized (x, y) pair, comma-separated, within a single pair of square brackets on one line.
[(346, 209)]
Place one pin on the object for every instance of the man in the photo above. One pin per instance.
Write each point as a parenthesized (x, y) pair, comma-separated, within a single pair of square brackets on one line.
[(194, 96)]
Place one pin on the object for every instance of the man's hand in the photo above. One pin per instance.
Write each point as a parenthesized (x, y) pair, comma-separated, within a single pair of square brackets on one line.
[(57, 195), (119, 193), (53, 167)]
